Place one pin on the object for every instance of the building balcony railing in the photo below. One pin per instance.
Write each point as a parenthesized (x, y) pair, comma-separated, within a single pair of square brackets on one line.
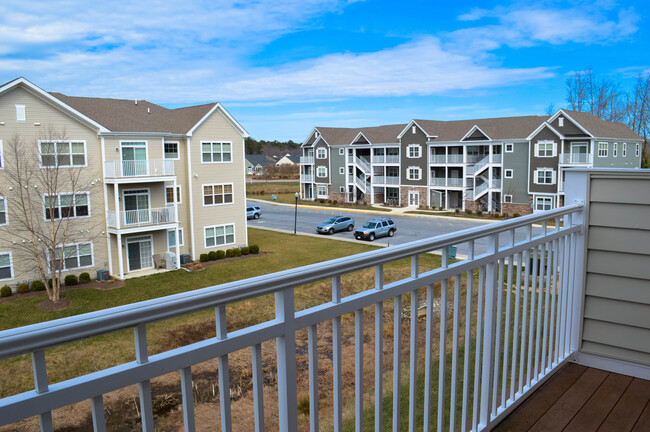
[(139, 168), (385, 159), (576, 158), (141, 218), (435, 158), (507, 314), (385, 180), (437, 181), (307, 178), (455, 158), (455, 182), (306, 160)]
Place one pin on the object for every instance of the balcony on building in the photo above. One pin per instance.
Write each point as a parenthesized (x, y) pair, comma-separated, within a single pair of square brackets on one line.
[(136, 171)]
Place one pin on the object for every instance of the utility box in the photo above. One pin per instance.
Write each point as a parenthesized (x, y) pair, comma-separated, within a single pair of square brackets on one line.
[(102, 275), (170, 260), (451, 252), (185, 259)]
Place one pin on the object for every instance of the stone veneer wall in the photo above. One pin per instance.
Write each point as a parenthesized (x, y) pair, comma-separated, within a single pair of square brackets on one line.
[(338, 196), (471, 205), (379, 198), (510, 208), (404, 195)]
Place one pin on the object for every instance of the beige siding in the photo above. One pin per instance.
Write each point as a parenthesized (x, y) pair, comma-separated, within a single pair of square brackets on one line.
[(617, 294)]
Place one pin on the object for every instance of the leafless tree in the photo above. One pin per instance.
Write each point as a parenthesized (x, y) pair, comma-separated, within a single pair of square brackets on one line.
[(43, 181), (576, 88), (550, 110)]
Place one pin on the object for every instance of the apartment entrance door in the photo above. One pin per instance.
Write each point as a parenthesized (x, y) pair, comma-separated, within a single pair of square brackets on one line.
[(414, 198), (136, 207), (139, 253), (134, 158)]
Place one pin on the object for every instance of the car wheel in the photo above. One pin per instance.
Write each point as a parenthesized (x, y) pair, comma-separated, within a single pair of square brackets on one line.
[(350, 227), (371, 237), (391, 233), (331, 231), (256, 216)]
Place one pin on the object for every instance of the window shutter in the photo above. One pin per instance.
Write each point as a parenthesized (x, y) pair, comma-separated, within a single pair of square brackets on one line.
[(535, 174), (554, 149), (553, 177), (536, 149)]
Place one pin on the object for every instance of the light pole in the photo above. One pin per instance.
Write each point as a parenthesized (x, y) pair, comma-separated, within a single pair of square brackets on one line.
[(295, 215)]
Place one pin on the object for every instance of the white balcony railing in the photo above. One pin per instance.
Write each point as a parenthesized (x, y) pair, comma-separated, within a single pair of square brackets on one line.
[(139, 168), (306, 178), (385, 180), (455, 182), (145, 217), (576, 158), (392, 159), (507, 316), (306, 159), (378, 159), (437, 181), (363, 164), (438, 158), (455, 158)]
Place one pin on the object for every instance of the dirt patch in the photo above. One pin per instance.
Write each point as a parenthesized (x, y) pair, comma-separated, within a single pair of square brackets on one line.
[(106, 285), (112, 284), (49, 305)]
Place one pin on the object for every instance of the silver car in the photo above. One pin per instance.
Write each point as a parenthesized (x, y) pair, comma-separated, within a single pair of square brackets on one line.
[(376, 228), (334, 224)]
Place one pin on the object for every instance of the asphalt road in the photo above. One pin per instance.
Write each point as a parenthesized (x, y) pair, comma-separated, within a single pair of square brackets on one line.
[(409, 228)]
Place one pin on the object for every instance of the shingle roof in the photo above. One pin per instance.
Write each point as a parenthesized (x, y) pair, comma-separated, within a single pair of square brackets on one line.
[(376, 135), (495, 128), (601, 128), (121, 115), (255, 159)]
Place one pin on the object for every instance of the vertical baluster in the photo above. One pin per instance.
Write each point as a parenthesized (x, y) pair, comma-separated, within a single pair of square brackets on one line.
[(552, 326), (564, 274), (531, 330), (413, 351), (488, 333), (497, 345), (468, 336), (515, 327), (39, 370), (479, 338), (428, 359), (336, 358), (97, 409), (443, 344), (547, 305), (560, 291), (524, 318), (142, 356), (540, 293), (379, 351), (454, 358), (569, 294), (506, 340), (358, 372), (397, 361), (286, 361), (223, 371), (187, 394), (573, 257), (258, 387)]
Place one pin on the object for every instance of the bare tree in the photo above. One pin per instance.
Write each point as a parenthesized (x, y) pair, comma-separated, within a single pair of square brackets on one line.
[(47, 186), (601, 97), (638, 106), (576, 88), (550, 109)]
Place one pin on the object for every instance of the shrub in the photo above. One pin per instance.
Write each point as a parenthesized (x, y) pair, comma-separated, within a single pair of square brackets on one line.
[(237, 252), (505, 215), (514, 215), (71, 280), (255, 249), (479, 213), (335, 202), (198, 266), (230, 253), (84, 278), (212, 255), (440, 208), (38, 285), (5, 291), (49, 282), (496, 215), (221, 254), (329, 201), (457, 211), (245, 250), (322, 201), (204, 257), (23, 288), (468, 211)]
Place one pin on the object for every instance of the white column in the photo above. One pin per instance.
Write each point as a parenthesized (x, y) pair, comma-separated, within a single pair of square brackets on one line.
[(178, 248), (116, 197), (120, 255)]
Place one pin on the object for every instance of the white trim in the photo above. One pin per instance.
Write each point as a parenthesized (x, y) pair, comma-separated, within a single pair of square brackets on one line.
[(412, 146), (234, 235), (623, 151), (536, 176), (341, 150), (11, 266), (474, 129), (212, 153), (318, 194), (182, 236), (505, 173), (638, 149), (21, 113), (304, 145), (87, 193), (546, 142), (546, 198), (512, 147), (575, 123), (505, 199), (341, 189), (92, 255), (408, 173), (137, 239), (178, 150), (56, 159), (408, 126), (324, 152), (615, 150), (560, 122), (606, 152), (341, 170), (540, 127), (226, 115), (232, 186), (190, 186), (318, 168), (613, 365), (357, 137), (2, 156), (177, 196), (6, 211)]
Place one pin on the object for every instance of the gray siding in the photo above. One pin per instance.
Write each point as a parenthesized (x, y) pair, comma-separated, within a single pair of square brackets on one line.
[(545, 162), (422, 162), (321, 162), (338, 161), (569, 128), (617, 293), (618, 161), (518, 162)]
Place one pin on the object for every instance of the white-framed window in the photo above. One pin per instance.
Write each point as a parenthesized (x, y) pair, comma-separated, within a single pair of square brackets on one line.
[(219, 235), (543, 203), (638, 150), (509, 173), (321, 191), (75, 256), (169, 195), (216, 152), (66, 205), (321, 153), (413, 129), (414, 173), (342, 170), (342, 189), (171, 150), (413, 151), (545, 176), (321, 171), (341, 151), (6, 266), (545, 149), (171, 238), (217, 194), (20, 113), (624, 150), (3, 211), (510, 147), (560, 122), (603, 148), (62, 153), (615, 150), (507, 198)]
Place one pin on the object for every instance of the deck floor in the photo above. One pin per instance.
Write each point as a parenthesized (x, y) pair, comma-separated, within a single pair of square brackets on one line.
[(578, 398)]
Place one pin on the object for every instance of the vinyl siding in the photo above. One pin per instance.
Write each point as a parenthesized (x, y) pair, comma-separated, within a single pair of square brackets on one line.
[(338, 161), (322, 162), (629, 161), (543, 162), (517, 160), (422, 162)]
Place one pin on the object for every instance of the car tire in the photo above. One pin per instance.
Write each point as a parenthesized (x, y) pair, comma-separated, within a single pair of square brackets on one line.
[(256, 216), (331, 231), (350, 227), (391, 233), (371, 237)]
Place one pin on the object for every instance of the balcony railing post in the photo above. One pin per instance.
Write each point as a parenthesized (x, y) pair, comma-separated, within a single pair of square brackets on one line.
[(286, 361), (489, 334)]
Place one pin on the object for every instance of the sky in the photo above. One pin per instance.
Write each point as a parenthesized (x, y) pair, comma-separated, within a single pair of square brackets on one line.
[(281, 67)]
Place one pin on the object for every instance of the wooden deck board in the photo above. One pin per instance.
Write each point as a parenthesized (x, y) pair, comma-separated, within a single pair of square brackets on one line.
[(643, 424), (629, 407)]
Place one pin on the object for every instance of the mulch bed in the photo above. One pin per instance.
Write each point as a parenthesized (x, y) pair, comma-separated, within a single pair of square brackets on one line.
[(112, 284), (209, 263), (49, 305)]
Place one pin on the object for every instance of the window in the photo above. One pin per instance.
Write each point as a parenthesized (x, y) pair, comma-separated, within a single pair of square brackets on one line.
[(6, 270), (20, 113), (414, 173), (507, 198), (624, 150), (322, 191), (74, 256), (341, 152), (638, 149), (509, 173), (509, 148), (219, 235), (216, 152), (615, 150), (413, 150), (602, 149), (545, 149), (171, 238), (3, 211), (171, 150), (560, 122), (543, 203), (545, 176), (412, 129), (321, 153), (63, 153), (321, 171), (342, 189), (169, 194), (66, 205), (217, 194), (342, 170)]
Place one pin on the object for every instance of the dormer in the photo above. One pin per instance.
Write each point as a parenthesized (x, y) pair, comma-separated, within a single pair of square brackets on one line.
[(360, 139), (476, 134), (567, 126)]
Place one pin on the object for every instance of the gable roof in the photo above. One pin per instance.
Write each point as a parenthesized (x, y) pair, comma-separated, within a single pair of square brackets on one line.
[(255, 159), (500, 128), (386, 134), (600, 128)]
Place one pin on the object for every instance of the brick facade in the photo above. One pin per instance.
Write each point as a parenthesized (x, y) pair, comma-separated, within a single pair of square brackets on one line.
[(471, 205), (404, 195), (338, 196)]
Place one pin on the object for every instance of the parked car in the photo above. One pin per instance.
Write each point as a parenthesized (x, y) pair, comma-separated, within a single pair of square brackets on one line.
[(335, 223), (376, 228), (253, 212)]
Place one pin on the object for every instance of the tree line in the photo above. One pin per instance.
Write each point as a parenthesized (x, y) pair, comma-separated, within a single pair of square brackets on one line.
[(257, 147)]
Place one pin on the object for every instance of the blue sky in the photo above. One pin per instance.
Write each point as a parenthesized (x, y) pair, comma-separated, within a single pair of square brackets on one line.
[(283, 66)]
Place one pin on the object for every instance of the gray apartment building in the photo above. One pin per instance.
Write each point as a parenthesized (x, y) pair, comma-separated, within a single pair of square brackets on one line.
[(504, 165)]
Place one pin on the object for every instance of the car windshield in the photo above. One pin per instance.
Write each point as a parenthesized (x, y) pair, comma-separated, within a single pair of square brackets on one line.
[(330, 220), (369, 225)]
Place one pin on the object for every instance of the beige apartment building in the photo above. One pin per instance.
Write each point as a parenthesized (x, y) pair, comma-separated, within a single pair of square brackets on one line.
[(163, 182)]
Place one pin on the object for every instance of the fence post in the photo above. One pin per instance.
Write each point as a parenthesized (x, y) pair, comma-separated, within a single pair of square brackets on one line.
[(286, 359), (488, 334)]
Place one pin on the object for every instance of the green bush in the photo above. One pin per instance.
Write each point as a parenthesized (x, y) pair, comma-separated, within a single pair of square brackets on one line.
[(237, 252), (245, 250), (457, 211), (49, 282), (514, 215), (204, 257), (479, 213), (255, 249), (505, 215), (38, 285), (322, 201), (335, 202), (5, 291), (230, 253), (71, 280), (23, 288), (221, 254), (468, 211), (212, 255), (496, 215), (84, 278)]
